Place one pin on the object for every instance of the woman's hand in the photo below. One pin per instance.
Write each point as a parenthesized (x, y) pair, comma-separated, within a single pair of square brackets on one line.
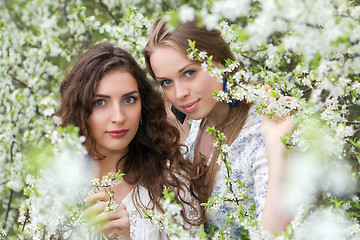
[(273, 128), (108, 222), (275, 218)]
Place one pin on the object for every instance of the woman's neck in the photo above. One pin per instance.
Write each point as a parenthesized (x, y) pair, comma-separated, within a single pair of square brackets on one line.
[(108, 164), (218, 114)]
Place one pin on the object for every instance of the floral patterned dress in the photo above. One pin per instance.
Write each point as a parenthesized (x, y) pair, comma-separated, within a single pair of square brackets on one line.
[(249, 164)]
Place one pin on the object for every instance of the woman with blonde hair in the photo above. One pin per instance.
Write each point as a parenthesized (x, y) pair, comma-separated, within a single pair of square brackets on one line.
[(189, 88)]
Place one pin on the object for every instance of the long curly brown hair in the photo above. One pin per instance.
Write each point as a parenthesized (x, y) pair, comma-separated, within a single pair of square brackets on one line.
[(155, 157)]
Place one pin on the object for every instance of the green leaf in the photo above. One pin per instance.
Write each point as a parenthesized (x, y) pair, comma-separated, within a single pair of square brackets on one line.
[(315, 62), (191, 44), (242, 36)]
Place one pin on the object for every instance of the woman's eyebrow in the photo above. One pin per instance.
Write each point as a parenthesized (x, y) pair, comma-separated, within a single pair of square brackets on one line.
[(184, 67), (179, 71), (107, 96), (130, 93), (102, 96)]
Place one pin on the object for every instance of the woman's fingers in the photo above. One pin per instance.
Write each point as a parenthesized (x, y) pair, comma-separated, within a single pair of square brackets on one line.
[(113, 222), (268, 109), (120, 212), (276, 127), (288, 98), (94, 210), (102, 218), (98, 202), (117, 226), (99, 196), (107, 222)]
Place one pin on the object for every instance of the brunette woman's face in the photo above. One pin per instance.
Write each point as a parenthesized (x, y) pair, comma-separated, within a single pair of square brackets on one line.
[(116, 113), (187, 86)]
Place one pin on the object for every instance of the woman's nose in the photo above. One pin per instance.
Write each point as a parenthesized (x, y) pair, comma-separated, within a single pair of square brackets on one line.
[(117, 115), (181, 91)]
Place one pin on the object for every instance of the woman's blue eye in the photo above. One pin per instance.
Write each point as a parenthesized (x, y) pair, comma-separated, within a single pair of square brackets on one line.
[(189, 73), (166, 82), (99, 102), (130, 100)]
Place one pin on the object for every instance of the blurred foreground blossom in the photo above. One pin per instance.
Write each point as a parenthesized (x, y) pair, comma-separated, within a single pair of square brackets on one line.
[(56, 190), (318, 166), (328, 224)]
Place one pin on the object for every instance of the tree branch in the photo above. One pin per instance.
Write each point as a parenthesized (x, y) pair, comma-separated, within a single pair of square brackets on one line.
[(26, 219), (109, 12), (43, 238), (8, 208)]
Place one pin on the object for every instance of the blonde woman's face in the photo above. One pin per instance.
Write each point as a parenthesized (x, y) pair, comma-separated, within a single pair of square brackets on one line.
[(116, 113), (186, 85)]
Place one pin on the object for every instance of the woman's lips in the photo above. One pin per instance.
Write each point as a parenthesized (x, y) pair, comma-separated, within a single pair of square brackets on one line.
[(190, 106), (118, 133)]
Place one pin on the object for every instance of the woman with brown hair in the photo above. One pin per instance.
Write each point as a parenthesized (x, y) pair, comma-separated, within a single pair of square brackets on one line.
[(107, 95), (189, 88)]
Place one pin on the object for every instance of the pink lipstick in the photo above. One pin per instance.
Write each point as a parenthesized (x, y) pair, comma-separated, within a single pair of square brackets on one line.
[(118, 133), (190, 106)]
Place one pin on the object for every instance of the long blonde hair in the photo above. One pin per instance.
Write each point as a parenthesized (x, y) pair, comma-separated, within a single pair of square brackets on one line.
[(214, 45)]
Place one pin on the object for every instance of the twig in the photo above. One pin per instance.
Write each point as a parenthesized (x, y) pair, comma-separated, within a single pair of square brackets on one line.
[(109, 12), (353, 122), (64, 10), (44, 233), (26, 219), (8, 208), (228, 174), (11, 191)]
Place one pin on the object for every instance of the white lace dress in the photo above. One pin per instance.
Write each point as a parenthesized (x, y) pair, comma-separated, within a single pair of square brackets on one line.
[(140, 227), (249, 164)]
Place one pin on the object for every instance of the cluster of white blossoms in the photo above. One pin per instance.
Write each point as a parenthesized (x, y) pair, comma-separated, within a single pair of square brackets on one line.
[(107, 182), (305, 49), (171, 221)]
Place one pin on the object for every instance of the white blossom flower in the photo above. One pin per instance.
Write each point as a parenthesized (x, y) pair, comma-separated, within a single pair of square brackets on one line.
[(326, 224), (191, 56), (187, 13), (48, 112)]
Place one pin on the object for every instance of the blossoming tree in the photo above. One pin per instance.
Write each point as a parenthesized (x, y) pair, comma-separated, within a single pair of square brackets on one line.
[(307, 49)]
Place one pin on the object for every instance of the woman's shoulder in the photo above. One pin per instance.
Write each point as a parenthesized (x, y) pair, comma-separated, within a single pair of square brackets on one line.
[(253, 118), (249, 139)]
